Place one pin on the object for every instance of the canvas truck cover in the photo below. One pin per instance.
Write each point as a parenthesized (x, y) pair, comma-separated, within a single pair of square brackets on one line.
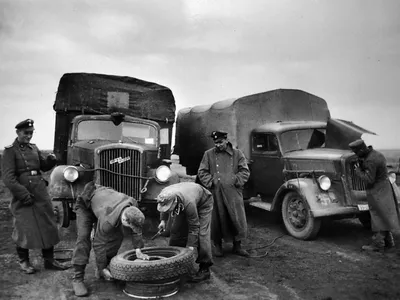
[(103, 94), (239, 117)]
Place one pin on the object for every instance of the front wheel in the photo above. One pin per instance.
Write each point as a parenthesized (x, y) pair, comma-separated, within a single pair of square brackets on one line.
[(297, 217)]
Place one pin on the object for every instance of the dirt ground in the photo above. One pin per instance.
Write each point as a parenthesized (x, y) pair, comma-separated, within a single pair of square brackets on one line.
[(331, 267)]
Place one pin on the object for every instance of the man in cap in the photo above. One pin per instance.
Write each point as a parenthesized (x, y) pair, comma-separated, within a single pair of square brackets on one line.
[(34, 220), (190, 205), (371, 168), (110, 211), (224, 171)]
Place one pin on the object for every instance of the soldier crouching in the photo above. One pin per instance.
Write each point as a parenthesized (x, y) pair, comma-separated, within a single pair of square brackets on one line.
[(107, 210)]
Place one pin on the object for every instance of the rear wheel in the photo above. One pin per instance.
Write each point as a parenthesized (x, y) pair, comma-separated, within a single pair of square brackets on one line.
[(297, 217)]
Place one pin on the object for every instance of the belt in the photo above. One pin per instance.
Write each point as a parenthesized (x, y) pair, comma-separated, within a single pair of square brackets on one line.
[(31, 172)]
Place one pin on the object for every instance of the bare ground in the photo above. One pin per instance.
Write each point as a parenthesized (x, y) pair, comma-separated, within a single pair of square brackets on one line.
[(331, 267)]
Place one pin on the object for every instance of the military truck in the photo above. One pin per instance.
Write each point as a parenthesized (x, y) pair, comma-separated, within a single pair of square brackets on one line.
[(298, 155), (114, 130)]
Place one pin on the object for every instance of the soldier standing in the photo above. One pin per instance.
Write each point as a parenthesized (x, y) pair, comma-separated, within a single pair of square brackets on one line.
[(34, 220), (371, 167), (224, 171)]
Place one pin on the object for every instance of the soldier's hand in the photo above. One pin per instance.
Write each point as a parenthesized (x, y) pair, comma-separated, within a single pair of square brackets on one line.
[(162, 225), (106, 274), (27, 201), (141, 255)]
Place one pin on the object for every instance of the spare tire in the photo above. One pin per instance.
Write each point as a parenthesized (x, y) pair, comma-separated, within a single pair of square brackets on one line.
[(165, 262)]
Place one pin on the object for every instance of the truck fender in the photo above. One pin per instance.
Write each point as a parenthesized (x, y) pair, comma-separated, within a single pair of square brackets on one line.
[(307, 187), (59, 188)]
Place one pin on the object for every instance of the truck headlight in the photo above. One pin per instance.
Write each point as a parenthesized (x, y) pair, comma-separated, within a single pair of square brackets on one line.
[(324, 182), (71, 173), (162, 174), (392, 177)]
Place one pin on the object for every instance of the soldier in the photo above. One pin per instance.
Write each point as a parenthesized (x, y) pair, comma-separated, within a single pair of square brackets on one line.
[(110, 211), (190, 205), (34, 220), (224, 171), (371, 167)]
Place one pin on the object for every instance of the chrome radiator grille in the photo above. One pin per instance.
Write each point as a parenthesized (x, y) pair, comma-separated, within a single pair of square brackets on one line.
[(115, 165), (357, 183)]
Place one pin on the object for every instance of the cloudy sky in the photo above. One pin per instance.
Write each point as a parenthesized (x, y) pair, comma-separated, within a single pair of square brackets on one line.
[(345, 51)]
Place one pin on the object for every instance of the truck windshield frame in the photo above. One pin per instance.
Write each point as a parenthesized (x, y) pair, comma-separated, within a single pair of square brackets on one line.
[(301, 139), (130, 132)]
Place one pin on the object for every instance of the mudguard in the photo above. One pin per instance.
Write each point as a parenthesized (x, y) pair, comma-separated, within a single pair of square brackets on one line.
[(321, 203)]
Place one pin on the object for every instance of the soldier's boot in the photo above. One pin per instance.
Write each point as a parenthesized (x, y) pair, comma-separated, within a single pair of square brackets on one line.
[(377, 245), (237, 249), (78, 285), (389, 240), (218, 251), (25, 265), (202, 274), (50, 263)]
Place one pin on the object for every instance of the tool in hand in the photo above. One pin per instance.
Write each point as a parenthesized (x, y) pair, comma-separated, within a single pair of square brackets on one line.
[(157, 234)]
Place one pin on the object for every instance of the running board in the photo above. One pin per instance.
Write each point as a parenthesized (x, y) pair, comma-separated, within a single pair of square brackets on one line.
[(262, 205)]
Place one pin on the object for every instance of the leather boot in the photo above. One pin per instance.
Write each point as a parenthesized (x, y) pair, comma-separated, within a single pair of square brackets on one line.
[(218, 252), (78, 285), (23, 256), (389, 240), (201, 275), (237, 249), (377, 245), (26, 267), (50, 263)]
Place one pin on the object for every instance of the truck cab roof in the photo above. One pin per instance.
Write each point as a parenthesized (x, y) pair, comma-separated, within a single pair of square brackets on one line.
[(278, 127)]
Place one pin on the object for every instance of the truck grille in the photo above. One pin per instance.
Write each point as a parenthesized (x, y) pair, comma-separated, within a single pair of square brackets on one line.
[(357, 184), (115, 165)]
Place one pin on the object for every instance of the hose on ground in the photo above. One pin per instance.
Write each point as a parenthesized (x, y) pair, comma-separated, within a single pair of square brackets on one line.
[(265, 246)]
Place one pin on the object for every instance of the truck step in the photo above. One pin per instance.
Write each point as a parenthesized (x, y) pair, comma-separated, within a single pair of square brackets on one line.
[(262, 205)]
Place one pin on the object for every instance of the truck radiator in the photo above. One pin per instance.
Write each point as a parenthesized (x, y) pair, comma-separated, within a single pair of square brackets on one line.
[(115, 164), (357, 183)]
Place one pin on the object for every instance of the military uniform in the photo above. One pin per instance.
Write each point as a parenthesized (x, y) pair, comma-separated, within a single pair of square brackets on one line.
[(383, 208), (34, 220), (224, 173)]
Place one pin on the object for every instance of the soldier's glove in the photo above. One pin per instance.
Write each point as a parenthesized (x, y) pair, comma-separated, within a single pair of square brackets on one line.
[(27, 201)]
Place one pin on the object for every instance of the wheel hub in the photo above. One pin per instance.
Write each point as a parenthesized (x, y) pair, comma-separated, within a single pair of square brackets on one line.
[(297, 213)]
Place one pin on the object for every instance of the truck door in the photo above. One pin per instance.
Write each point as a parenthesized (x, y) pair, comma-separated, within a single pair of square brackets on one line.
[(266, 165)]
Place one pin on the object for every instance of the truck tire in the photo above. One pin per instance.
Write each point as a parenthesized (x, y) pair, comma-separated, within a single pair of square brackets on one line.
[(297, 217), (62, 213), (165, 263), (365, 220)]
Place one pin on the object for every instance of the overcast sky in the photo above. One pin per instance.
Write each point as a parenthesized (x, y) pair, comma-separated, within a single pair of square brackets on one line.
[(345, 51)]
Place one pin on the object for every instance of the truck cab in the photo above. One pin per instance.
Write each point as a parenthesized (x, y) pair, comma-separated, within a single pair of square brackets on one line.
[(127, 153), (292, 172)]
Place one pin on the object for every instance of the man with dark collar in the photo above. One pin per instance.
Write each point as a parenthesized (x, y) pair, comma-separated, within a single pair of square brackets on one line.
[(371, 168), (34, 220), (224, 171)]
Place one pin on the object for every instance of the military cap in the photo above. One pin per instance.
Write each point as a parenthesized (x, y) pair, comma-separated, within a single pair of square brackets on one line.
[(165, 200), (219, 135), (357, 144), (134, 217), (25, 124)]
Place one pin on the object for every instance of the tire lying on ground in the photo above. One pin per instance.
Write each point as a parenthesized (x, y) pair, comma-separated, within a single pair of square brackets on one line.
[(165, 262)]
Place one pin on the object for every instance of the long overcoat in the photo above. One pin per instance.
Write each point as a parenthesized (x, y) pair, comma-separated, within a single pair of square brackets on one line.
[(225, 173), (34, 225), (382, 203)]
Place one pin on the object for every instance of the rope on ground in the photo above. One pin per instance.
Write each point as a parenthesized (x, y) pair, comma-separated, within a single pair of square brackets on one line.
[(265, 246)]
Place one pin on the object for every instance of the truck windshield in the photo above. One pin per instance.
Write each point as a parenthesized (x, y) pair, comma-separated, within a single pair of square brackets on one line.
[(302, 139), (125, 132)]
